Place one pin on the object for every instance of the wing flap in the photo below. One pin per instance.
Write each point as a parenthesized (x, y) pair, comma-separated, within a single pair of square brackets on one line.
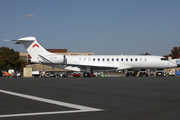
[(102, 67), (124, 67)]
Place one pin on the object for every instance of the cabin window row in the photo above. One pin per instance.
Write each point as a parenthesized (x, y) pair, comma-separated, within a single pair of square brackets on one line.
[(113, 59)]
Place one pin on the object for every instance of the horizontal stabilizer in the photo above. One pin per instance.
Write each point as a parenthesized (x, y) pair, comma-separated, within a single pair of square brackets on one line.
[(26, 39)]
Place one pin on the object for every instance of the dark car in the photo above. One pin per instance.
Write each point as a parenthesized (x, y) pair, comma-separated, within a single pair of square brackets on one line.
[(1, 74)]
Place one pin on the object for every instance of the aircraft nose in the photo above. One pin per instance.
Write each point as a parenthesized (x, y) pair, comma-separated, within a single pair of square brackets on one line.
[(171, 64)]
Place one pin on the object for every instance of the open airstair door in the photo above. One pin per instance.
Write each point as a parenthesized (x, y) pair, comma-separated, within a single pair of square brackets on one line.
[(65, 59)]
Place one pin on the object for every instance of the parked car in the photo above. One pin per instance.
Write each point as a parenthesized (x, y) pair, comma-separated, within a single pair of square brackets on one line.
[(58, 74), (52, 74), (76, 74), (143, 72), (130, 72), (151, 72), (92, 75), (65, 75), (1, 74), (19, 74), (44, 74), (160, 72)]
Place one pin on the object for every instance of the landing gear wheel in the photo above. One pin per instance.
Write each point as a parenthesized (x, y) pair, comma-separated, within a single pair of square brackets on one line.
[(127, 75), (86, 74)]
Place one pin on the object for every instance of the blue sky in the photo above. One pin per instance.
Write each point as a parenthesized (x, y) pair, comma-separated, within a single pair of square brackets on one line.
[(101, 26)]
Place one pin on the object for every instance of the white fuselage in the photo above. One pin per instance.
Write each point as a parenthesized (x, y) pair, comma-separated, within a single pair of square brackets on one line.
[(109, 62)]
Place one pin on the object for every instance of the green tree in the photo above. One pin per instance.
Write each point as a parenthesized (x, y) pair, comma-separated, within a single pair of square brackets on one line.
[(9, 59)]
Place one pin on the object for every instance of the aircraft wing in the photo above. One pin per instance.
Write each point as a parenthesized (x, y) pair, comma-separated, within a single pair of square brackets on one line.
[(102, 67), (45, 59)]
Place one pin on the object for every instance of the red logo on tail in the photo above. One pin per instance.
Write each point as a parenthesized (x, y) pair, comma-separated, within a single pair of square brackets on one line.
[(35, 45)]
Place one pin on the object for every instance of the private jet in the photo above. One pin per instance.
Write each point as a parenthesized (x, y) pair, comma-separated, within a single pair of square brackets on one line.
[(91, 63)]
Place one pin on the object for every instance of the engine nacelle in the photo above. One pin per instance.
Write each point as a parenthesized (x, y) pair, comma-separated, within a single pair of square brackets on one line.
[(58, 59)]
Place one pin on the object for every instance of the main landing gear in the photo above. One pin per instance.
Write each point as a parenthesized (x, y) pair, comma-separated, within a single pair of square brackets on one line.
[(86, 74)]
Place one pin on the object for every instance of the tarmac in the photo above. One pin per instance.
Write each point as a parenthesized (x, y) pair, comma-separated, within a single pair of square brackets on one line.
[(109, 98)]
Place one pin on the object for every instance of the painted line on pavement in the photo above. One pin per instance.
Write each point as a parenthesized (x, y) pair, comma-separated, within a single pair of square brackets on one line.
[(79, 108)]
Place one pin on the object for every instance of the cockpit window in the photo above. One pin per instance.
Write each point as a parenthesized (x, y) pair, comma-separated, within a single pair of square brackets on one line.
[(164, 59)]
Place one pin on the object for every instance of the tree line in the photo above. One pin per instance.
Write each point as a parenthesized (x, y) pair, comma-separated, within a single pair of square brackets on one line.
[(9, 59), (175, 53)]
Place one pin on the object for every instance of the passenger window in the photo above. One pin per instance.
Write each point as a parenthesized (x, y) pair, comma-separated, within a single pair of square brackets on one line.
[(136, 59), (93, 59), (131, 59), (117, 59), (107, 59), (121, 59), (84, 59), (89, 59), (126, 59), (103, 59), (98, 59), (112, 59), (145, 59), (79, 59), (140, 59)]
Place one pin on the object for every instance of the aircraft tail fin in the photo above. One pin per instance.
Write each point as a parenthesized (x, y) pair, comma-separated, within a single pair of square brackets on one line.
[(32, 46)]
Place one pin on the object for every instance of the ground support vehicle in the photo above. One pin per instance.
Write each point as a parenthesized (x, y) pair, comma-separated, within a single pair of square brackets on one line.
[(11, 71), (6, 74), (172, 72), (160, 72), (36, 73), (99, 74), (177, 73), (143, 72)]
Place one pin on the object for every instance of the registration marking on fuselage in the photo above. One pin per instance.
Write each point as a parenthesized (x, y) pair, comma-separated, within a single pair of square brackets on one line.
[(79, 108)]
